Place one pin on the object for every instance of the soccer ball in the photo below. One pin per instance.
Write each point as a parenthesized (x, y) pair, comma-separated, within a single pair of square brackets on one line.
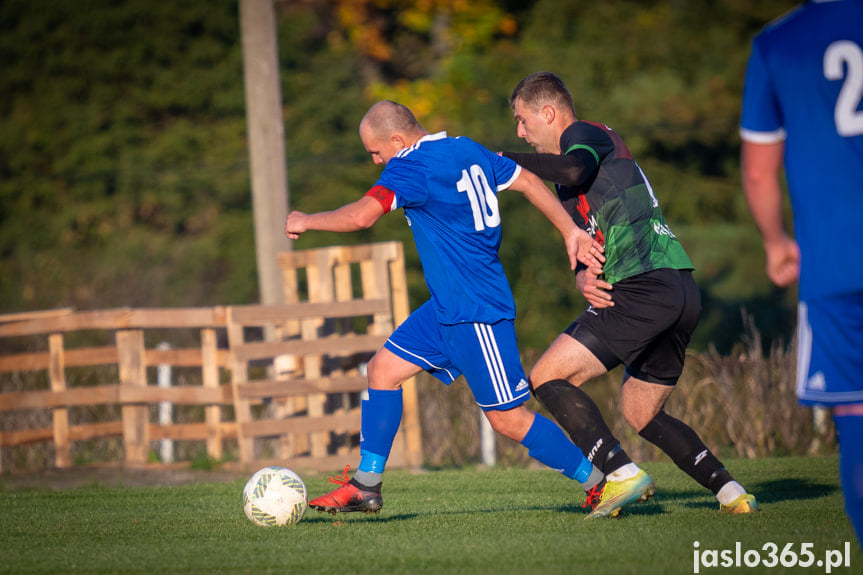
[(275, 496)]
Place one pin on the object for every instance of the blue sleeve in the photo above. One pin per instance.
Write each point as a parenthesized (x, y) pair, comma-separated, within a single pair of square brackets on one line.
[(407, 183), (761, 111)]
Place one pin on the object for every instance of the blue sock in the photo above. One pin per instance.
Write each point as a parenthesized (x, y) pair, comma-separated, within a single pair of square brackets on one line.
[(381, 416), (850, 429), (547, 444)]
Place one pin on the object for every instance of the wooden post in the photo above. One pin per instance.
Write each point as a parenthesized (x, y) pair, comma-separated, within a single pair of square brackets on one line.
[(266, 133), (288, 366), (343, 292), (57, 373), (376, 284), (401, 310), (210, 375), (136, 440), (239, 376), (320, 281)]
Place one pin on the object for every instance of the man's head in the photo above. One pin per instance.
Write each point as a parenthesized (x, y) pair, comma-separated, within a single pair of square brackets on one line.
[(387, 128), (543, 109)]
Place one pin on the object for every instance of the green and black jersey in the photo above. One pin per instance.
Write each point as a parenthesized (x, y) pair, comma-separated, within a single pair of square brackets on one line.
[(616, 205)]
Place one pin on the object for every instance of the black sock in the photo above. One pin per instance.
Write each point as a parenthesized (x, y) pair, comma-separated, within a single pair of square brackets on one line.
[(686, 450), (576, 412), (372, 488)]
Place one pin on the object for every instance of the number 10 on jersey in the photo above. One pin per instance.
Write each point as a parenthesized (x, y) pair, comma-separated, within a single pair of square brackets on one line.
[(483, 201)]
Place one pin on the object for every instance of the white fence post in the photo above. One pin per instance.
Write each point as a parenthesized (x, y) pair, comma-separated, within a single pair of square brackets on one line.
[(487, 441), (166, 408)]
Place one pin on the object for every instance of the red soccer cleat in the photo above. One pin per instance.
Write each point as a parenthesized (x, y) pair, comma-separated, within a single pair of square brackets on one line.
[(593, 496), (351, 496)]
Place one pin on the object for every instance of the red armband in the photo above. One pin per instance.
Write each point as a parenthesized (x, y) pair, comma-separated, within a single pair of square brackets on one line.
[(385, 196)]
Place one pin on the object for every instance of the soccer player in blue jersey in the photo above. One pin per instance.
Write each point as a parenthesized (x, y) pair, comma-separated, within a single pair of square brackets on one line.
[(803, 106), (448, 190)]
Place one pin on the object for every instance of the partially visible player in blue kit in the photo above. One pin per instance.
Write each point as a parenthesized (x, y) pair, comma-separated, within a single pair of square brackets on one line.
[(448, 190), (803, 106)]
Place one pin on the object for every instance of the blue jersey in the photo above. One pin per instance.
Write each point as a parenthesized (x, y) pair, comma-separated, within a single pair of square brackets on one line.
[(448, 188), (804, 84)]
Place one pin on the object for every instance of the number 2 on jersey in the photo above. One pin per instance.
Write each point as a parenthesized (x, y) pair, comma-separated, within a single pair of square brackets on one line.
[(849, 120), (483, 201)]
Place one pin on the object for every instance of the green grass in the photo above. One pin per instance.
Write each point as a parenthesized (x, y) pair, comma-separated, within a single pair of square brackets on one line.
[(461, 521)]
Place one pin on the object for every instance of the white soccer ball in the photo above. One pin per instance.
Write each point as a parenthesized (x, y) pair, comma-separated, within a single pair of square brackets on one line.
[(275, 496)]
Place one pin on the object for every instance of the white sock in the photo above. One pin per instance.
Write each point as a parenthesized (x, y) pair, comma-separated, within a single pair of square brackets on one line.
[(729, 492), (628, 471)]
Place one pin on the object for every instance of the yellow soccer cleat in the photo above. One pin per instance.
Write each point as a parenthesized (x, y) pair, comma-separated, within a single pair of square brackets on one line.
[(608, 500), (743, 504)]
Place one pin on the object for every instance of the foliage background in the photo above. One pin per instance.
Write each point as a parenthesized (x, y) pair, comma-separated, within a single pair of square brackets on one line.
[(124, 172)]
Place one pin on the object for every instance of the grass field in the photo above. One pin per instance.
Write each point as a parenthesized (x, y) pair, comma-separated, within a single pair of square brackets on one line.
[(499, 521)]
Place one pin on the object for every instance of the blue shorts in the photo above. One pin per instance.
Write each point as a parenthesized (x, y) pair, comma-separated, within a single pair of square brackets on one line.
[(487, 355), (830, 351)]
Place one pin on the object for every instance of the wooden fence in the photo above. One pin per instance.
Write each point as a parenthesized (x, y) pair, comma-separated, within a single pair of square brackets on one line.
[(277, 384)]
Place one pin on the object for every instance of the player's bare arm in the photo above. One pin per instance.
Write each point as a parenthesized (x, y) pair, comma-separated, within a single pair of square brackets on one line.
[(358, 215), (761, 165)]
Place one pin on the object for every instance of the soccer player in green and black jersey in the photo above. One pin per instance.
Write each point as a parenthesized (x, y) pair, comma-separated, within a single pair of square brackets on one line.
[(644, 303)]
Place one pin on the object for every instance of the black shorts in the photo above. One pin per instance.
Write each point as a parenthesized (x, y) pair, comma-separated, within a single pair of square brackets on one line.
[(648, 328)]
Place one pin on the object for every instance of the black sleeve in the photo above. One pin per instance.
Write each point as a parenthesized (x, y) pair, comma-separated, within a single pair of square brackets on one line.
[(572, 169), (579, 267)]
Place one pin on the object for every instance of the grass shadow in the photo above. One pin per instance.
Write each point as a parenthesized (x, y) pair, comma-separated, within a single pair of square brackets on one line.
[(791, 488), (776, 491)]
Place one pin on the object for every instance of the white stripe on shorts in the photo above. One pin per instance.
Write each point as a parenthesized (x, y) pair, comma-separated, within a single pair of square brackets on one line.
[(493, 361), (421, 361)]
